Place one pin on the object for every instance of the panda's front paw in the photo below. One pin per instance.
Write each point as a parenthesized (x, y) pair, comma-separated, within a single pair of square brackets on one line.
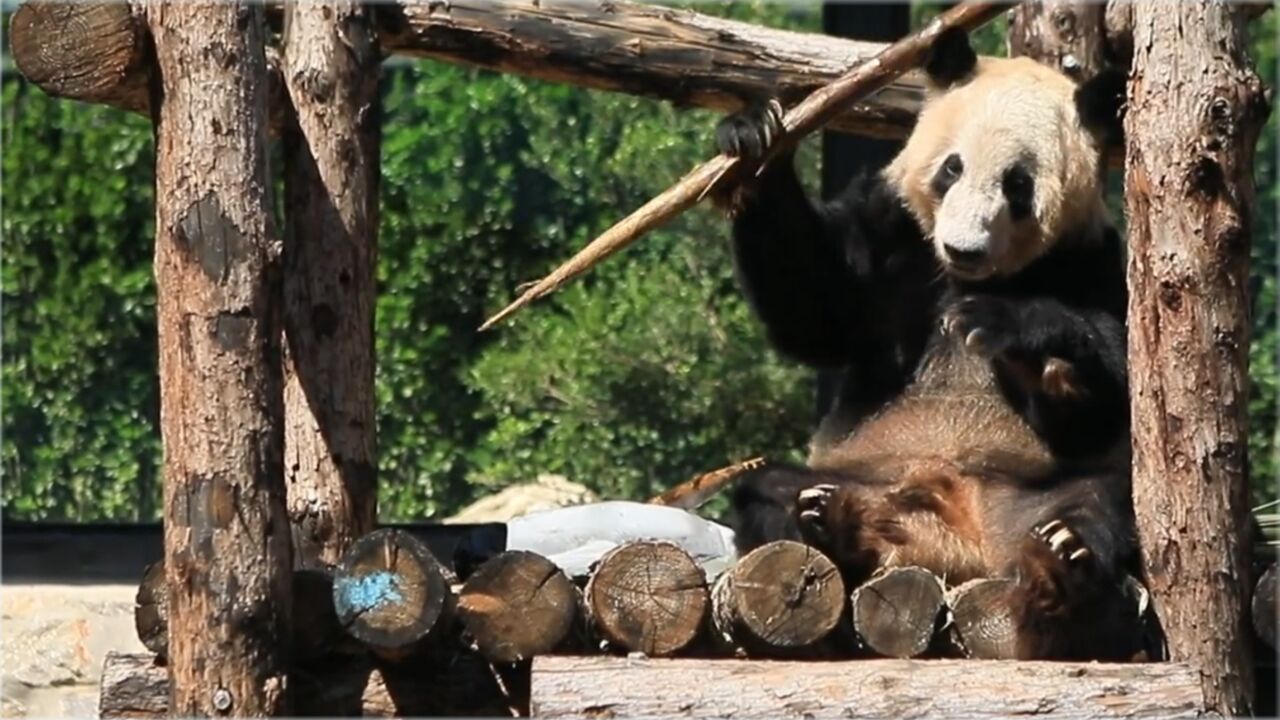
[(986, 324), (750, 133), (811, 513)]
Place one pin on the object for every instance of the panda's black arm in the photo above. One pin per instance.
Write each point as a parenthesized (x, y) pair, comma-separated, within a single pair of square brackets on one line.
[(793, 272), (834, 283)]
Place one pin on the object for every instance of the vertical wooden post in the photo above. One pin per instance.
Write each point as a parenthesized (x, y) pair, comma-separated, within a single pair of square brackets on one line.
[(1195, 110), (1063, 34), (218, 291), (331, 67)]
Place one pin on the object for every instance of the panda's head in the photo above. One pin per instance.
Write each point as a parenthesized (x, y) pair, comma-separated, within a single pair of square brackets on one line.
[(1005, 159)]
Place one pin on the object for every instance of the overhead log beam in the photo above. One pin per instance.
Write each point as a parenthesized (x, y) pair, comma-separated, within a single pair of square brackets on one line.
[(97, 52), (682, 56)]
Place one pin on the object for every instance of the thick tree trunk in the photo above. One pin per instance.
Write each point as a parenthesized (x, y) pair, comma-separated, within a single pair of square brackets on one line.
[(217, 278), (1064, 34), (1195, 109), (331, 68)]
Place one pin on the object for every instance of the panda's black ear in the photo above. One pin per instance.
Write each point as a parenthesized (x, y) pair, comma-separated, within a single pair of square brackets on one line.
[(951, 58), (1100, 102)]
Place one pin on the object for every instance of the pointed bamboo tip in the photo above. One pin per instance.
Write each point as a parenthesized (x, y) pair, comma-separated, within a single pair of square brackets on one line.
[(506, 312)]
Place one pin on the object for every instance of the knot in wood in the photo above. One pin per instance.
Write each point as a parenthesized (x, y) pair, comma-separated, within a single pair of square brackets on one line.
[(1064, 22), (1221, 118)]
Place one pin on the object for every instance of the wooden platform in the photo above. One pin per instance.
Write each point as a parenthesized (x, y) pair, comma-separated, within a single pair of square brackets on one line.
[(600, 687), (607, 687)]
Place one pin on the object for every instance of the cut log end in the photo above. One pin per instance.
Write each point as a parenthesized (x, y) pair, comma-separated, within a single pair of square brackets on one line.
[(982, 625), (896, 613), (94, 52), (1265, 609), (782, 596), (390, 593), (648, 597), (151, 610), (518, 605)]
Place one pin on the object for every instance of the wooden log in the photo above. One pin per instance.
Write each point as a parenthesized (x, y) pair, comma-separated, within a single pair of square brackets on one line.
[(781, 598), (1068, 35), (689, 58), (96, 52), (1196, 107), (594, 687), (93, 53), (331, 152), (99, 52), (897, 612), (218, 294), (391, 594), (1264, 608), (517, 605), (648, 597), (981, 624), (464, 685), (316, 632), (151, 610)]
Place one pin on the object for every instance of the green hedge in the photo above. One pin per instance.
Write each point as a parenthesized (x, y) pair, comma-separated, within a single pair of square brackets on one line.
[(641, 374)]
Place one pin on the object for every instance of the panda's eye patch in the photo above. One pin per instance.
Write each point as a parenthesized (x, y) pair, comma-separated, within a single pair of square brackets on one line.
[(1019, 189), (953, 165), (948, 174)]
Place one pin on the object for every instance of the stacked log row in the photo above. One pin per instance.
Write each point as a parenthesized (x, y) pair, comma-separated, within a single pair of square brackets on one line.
[(391, 630), (391, 599)]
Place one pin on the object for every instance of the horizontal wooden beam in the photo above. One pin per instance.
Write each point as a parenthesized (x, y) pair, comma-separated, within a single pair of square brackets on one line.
[(594, 687), (98, 52), (101, 53), (137, 686), (682, 56)]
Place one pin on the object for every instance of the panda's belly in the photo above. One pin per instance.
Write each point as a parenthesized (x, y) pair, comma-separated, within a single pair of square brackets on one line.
[(952, 415)]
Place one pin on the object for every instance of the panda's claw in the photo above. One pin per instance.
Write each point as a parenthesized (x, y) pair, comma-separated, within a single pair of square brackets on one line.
[(812, 505), (1062, 541), (750, 133)]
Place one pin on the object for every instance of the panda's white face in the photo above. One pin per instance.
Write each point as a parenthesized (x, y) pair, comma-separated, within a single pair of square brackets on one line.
[(1000, 168)]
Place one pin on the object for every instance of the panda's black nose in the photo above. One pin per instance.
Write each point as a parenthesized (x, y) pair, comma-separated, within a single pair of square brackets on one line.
[(964, 257)]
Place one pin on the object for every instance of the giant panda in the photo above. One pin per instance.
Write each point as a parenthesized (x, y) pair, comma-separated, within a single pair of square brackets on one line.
[(973, 295)]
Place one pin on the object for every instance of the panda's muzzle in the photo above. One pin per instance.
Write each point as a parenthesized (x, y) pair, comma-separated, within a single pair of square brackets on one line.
[(965, 258)]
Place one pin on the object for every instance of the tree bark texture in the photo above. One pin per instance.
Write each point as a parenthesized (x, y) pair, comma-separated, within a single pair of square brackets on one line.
[(218, 290), (1195, 110), (1065, 34), (331, 66), (595, 687)]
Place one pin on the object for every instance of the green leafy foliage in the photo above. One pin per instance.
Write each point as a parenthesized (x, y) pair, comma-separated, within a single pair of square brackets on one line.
[(80, 406), (643, 373)]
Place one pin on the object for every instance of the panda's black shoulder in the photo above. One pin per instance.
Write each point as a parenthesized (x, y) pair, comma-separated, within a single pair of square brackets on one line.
[(882, 240)]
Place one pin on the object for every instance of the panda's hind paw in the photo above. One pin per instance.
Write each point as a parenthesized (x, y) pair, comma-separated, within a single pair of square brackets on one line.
[(1057, 568), (1063, 542)]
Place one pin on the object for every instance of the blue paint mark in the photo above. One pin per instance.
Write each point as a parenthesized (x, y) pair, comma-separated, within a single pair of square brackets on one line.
[(354, 596)]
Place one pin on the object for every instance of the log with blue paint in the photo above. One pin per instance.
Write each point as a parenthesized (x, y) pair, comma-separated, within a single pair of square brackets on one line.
[(390, 593)]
